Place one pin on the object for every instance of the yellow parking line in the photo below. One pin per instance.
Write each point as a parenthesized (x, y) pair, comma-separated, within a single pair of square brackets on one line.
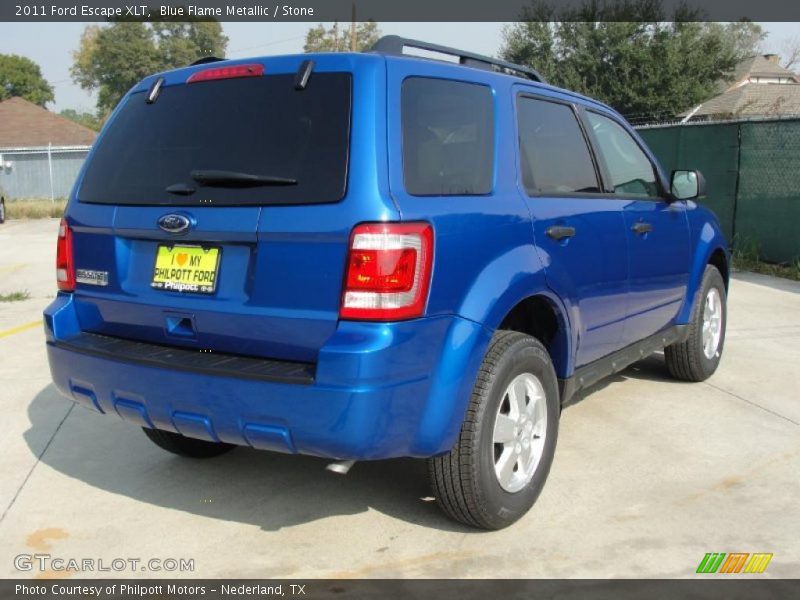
[(13, 268), (20, 328)]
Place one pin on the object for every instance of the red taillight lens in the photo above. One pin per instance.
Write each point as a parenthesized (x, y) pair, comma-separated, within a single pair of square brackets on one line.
[(254, 70), (388, 271), (65, 268)]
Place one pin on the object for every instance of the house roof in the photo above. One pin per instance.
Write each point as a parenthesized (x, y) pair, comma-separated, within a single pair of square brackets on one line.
[(24, 124), (765, 65), (752, 100), (762, 65)]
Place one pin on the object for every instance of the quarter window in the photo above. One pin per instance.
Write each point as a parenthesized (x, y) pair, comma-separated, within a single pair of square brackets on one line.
[(630, 170), (553, 153), (448, 137)]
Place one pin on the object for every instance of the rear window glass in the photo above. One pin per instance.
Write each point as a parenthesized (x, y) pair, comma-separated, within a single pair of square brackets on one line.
[(257, 126), (553, 152), (448, 137)]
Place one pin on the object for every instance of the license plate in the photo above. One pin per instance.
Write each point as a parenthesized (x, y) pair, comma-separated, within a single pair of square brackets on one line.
[(186, 269)]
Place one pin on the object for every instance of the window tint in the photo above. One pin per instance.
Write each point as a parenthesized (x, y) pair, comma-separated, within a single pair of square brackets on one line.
[(253, 125), (553, 152), (630, 170), (448, 137)]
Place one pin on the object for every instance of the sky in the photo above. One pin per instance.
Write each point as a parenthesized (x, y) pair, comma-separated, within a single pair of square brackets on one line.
[(51, 45)]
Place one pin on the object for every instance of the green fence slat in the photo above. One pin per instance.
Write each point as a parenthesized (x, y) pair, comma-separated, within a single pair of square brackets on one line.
[(764, 211), (768, 209)]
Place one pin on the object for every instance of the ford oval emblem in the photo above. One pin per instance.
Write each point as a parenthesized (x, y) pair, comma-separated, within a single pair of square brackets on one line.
[(175, 223)]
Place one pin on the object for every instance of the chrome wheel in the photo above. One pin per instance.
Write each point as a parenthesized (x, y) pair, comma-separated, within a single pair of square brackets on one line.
[(712, 323), (520, 427)]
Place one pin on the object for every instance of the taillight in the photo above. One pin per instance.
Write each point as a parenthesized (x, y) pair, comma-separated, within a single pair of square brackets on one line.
[(388, 271), (233, 72), (65, 267)]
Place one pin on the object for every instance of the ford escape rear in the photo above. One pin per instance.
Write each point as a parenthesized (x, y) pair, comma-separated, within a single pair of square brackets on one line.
[(363, 256)]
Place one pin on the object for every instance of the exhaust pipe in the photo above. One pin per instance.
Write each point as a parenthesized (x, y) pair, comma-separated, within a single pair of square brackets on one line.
[(341, 466)]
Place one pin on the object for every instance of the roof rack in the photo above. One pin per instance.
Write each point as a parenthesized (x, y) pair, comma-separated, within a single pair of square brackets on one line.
[(394, 44)]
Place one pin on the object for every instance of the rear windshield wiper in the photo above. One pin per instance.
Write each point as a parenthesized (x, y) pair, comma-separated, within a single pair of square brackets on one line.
[(216, 178)]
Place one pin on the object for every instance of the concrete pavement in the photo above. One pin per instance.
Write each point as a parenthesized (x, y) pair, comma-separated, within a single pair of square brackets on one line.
[(649, 474)]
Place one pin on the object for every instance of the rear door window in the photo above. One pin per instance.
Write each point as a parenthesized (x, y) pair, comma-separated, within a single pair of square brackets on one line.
[(554, 156), (630, 170), (448, 137), (260, 126)]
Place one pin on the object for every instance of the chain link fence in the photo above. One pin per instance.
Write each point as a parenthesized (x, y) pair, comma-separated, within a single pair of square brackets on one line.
[(752, 171), (40, 172)]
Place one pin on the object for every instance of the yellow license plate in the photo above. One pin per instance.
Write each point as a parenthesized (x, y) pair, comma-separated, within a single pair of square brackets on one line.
[(186, 269)]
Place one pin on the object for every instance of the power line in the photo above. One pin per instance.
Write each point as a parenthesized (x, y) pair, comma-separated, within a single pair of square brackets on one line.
[(273, 43)]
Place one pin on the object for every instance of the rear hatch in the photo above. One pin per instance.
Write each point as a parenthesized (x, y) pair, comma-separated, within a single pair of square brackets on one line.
[(216, 214)]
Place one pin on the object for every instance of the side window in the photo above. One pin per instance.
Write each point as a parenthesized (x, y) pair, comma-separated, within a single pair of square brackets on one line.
[(448, 137), (628, 166), (553, 152)]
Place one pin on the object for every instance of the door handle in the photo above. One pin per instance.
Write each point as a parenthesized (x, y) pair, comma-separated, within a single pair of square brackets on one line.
[(641, 228), (559, 232)]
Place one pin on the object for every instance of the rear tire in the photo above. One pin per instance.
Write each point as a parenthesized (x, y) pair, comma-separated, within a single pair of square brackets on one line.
[(499, 464), (696, 358), (185, 446), (2, 211)]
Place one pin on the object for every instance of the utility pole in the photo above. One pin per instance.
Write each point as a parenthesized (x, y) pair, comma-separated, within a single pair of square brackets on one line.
[(336, 47), (353, 46)]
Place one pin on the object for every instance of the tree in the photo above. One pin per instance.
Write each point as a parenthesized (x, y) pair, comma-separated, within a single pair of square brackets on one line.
[(21, 77), (627, 55), (111, 59), (337, 38), (746, 38), (86, 119), (790, 52)]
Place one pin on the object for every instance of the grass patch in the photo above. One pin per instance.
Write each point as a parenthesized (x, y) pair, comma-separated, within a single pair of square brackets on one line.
[(15, 296), (746, 256), (35, 208)]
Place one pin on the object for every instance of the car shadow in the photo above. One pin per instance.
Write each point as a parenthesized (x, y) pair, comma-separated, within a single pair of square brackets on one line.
[(652, 368), (267, 489)]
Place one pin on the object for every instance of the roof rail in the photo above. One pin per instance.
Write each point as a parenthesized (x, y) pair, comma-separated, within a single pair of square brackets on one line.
[(206, 59), (394, 44)]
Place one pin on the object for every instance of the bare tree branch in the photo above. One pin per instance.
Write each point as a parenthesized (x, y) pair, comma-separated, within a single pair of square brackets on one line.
[(790, 52)]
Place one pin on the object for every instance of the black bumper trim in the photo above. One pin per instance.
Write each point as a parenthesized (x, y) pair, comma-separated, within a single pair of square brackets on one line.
[(185, 359)]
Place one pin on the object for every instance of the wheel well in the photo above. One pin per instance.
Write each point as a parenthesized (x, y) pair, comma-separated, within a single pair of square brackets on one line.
[(538, 317), (719, 260)]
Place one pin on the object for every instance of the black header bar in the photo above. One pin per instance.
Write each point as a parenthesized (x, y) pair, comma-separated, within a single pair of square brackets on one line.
[(315, 11)]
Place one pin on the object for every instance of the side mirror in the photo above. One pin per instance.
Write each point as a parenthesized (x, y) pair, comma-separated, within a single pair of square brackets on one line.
[(687, 185)]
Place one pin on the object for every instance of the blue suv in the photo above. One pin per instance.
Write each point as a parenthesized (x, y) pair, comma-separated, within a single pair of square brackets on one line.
[(375, 255)]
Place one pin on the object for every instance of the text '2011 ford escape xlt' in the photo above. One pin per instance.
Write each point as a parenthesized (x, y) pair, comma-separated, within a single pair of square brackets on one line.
[(364, 256)]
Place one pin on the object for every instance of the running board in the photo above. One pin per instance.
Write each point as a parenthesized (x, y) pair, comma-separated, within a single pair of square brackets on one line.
[(618, 361)]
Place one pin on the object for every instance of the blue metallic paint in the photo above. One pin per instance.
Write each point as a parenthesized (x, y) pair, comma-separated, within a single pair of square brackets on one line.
[(381, 389)]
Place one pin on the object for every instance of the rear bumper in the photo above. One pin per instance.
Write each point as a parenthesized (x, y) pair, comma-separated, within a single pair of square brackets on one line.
[(379, 390)]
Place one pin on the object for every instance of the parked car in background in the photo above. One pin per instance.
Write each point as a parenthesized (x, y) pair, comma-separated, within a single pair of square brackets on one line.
[(365, 256)]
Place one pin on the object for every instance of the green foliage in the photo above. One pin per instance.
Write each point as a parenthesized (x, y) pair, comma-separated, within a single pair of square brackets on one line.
[(82, 118), (35, 208), (745, 36), (746, 256), (626, 55), (15, 296), (21, 77), (337, 37), (111, 59)]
